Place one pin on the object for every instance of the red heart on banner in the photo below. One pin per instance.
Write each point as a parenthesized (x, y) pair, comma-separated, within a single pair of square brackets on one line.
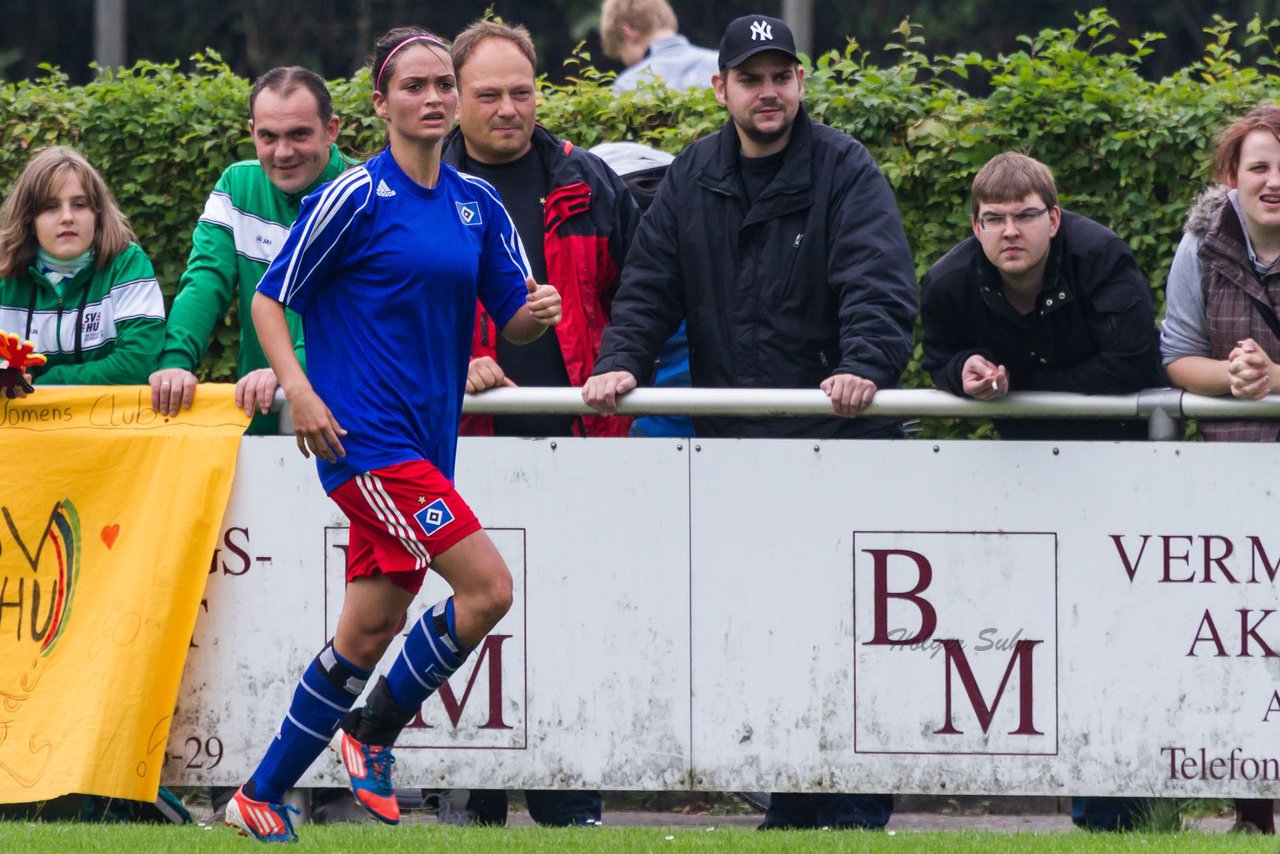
[(109, 535)]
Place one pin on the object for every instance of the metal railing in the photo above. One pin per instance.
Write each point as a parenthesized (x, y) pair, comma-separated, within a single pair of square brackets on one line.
[(1162, 408)]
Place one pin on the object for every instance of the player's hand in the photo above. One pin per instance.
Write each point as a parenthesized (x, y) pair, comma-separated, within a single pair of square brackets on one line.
[(543, 302), (172, 389), (849, 393), (982, 379), (256, 389), (601, 392), (485, 373), (1249, 370), (315, 427)]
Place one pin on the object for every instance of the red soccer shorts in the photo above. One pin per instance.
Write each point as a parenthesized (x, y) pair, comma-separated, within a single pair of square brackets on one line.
[(401, 516)]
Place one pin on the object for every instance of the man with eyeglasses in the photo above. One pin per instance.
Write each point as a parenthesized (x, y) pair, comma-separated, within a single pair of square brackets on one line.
[(1038, 299), (1041, 299)]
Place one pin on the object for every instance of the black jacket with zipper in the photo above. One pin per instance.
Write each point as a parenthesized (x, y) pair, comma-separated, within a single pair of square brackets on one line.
[(813, 279), (1092, 331)]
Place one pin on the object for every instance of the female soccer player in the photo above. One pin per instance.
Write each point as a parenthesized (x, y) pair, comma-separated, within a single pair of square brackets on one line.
[(72, 280), (384, 265)]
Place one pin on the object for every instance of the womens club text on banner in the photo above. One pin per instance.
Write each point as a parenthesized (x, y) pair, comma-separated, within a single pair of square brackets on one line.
[(109, 512)]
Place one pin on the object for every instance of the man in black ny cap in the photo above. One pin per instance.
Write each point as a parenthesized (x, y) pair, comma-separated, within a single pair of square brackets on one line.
[(778, 240)]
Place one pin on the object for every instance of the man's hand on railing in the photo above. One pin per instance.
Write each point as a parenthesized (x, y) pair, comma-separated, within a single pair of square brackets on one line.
[(849, 393), (172, 389), (485, 373), (256, 389), (602, 391)]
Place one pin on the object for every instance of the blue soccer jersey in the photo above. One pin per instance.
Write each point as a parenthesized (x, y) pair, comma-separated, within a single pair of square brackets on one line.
[(385, 274)]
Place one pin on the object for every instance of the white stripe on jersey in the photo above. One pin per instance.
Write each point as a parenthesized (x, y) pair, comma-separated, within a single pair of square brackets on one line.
[(518, 257), (218, 210), (331, 201), (139, 298), (390, 516), (324, 216), (256, 238)]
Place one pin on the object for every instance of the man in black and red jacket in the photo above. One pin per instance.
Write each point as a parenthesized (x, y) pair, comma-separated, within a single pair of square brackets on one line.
[(575, 217), (573, 213)]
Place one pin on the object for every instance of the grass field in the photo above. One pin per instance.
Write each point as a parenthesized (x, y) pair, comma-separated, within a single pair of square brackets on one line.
[(69, 837)]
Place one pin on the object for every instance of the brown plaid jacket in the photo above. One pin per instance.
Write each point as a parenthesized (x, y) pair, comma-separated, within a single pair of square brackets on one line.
[(1229, 281)]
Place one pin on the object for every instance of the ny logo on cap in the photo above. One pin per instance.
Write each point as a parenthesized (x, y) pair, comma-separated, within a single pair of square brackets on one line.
[(761, 32)]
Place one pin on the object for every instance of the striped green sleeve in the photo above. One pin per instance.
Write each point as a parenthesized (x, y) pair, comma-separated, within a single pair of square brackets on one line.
[(207, 286)]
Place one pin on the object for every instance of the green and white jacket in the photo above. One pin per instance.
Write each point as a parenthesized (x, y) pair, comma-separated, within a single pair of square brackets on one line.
[(244, 224), (245, 221), (105, 328)]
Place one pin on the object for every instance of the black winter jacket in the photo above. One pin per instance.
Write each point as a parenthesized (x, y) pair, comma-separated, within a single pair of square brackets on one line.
[(1092, 332), (814, 279)]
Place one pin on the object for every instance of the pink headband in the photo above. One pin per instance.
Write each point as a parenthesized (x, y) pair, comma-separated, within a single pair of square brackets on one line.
[(377, 83)]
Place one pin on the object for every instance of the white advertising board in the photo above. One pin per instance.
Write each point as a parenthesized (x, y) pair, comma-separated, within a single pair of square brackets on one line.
[(954, 617)]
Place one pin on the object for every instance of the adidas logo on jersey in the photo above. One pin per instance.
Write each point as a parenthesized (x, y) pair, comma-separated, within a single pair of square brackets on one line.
[(385, 191)]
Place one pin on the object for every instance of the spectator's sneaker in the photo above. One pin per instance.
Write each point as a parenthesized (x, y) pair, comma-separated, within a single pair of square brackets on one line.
[(263, 821), (369, 767)]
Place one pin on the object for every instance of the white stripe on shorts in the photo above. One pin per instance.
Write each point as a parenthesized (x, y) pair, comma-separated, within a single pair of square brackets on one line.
[(390, 516), (412, 544)]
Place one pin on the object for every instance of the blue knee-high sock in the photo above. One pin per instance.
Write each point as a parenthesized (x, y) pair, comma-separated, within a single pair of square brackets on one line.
[(324, 695), (430, 655)]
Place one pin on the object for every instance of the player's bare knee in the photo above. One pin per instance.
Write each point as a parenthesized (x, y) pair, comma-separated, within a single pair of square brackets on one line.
[(501, 595), (491, 594), (371, 638)]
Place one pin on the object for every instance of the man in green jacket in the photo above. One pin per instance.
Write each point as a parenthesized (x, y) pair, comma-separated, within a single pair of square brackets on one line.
[(244, 224)]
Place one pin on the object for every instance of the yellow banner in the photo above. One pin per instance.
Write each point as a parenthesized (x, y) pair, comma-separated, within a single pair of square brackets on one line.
[(109, 514)]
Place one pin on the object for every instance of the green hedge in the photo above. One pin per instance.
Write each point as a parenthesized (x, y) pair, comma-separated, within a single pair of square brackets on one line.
[(1127, 151)]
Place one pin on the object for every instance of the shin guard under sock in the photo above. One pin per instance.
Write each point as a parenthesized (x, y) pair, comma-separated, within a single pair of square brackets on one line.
[(429, 656)]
